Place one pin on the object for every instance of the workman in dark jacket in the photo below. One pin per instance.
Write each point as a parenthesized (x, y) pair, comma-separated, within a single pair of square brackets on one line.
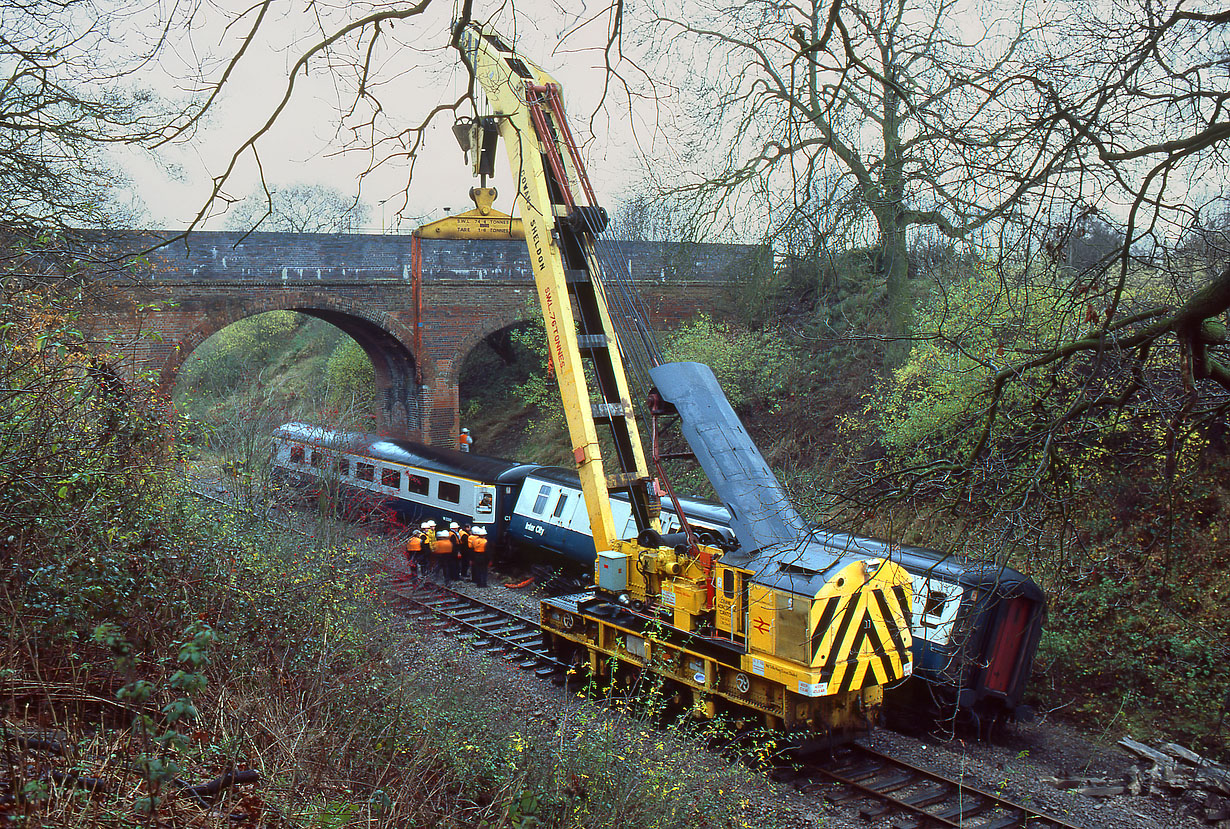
[(454, 562), (479, 557), (463, 550)]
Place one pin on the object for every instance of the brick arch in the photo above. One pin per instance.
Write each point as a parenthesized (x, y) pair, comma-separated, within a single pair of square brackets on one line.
[(386, 342), (452, 372), (191, 288)]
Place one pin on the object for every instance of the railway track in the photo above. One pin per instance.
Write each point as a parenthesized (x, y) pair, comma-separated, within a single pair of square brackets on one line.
[(489, 628), (884, 787)]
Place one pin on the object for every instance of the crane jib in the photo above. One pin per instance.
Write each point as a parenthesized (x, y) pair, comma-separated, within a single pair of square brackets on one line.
[(761, 514)]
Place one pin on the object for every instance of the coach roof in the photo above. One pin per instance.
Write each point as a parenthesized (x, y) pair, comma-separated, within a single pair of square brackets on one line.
[(409, 453)]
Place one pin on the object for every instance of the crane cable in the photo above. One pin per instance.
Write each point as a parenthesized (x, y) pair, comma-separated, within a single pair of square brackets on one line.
[(612, 278)]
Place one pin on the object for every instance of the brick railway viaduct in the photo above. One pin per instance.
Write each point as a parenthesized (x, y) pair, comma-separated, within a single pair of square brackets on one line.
[(181, 294)]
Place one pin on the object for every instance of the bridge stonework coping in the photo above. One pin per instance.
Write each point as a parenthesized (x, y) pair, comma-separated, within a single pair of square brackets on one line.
[(153, 313)]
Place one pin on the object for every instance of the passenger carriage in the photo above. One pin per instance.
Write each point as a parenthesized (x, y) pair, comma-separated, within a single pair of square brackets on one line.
[(414, 481)]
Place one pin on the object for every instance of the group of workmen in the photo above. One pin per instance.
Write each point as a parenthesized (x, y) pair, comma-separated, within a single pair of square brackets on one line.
[(454, 553)]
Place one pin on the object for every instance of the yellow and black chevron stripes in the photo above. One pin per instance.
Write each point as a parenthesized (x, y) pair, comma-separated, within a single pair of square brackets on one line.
[(857, 639)]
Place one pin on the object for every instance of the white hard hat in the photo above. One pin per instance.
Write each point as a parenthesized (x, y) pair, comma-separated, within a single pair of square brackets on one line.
[(479, 531), (465, 431), (430, 524), (454, 526), (424, 525)]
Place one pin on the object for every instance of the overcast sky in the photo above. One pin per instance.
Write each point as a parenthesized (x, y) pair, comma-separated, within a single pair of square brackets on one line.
[(304, 146)]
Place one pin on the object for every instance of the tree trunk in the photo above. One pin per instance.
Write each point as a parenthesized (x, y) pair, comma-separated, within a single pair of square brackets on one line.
[(893, 266)]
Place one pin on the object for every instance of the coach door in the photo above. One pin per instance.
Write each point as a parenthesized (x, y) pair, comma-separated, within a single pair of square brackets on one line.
[(730, 602), (484, 504)]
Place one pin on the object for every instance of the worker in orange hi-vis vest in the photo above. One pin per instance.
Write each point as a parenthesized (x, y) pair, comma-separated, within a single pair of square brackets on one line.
[(446, 557), (479, 557), (414, 551), (464, 441)]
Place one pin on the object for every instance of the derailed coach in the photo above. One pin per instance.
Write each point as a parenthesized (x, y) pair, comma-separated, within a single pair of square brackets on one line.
[(976, 628), (411, 481)]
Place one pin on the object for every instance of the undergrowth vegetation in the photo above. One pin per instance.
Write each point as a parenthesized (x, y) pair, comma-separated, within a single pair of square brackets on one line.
[(296, 364), (1089, 476), (169, 663)]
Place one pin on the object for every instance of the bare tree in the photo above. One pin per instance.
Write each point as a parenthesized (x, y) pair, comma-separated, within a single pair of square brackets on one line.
[(387, 61), (862, 120), (299, 208), (1057, 367), (69, 88)]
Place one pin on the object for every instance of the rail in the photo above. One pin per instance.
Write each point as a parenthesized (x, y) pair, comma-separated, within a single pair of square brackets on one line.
[(919, 797)]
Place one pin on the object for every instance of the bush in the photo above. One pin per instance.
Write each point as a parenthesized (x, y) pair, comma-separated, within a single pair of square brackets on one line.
[(350, 374), (1156, 669), (239, 351), (753, 367)]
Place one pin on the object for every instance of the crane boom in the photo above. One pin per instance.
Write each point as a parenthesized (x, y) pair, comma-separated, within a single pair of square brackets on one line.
[(561, 218)]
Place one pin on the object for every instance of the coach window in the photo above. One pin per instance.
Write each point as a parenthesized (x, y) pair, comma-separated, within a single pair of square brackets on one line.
[(728, 583), (541, 503), (390, 478), (935, 604), (317, 459), (449, 492), (365, 472), (559, 505), (416, 485), (296, 454), (342, 467)]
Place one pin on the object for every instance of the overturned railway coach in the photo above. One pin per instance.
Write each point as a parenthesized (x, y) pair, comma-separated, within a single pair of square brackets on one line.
[(975, 625)]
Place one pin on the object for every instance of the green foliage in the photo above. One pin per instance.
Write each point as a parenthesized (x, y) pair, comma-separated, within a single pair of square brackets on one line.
[(74, 443), (1153, 668), (239, 351), (954, 396), (510, 378), (286, 381), (753, 367), (350, 374), (161, 743), (967, 331)]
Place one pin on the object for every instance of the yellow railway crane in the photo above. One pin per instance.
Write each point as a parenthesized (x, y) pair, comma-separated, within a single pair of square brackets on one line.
[(776, 623)]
